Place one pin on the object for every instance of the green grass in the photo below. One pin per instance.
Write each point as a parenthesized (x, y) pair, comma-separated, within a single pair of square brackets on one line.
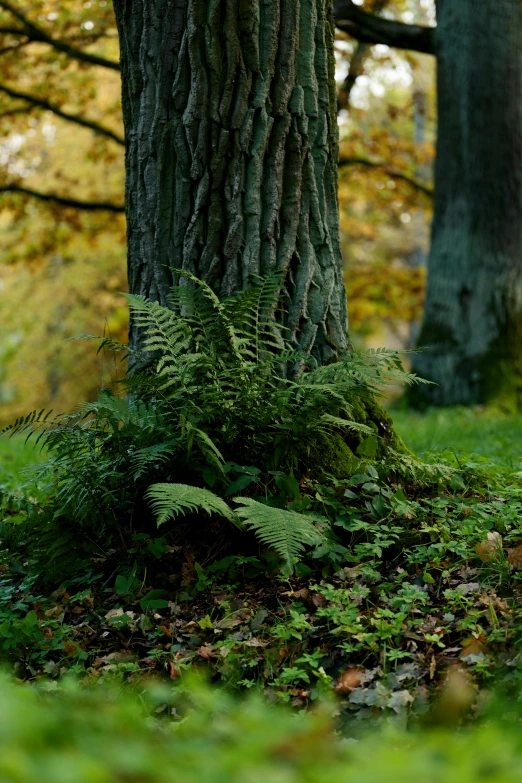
[(462, 431), (15, 456)]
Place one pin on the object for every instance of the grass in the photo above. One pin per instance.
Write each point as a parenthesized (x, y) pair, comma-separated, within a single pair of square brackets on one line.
[(463, 431), (15, 456)]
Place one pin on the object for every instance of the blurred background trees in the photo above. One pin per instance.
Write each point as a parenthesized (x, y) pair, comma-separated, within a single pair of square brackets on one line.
[(62, 235)]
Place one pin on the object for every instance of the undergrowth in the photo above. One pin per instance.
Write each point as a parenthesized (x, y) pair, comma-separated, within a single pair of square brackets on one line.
[(240, 512), (217, 406)]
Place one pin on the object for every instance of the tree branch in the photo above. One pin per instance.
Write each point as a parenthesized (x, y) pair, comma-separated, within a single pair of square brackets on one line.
[(79, 120), (391, 173), (90, 206), (372, 29), (12, 31), (37, 33)]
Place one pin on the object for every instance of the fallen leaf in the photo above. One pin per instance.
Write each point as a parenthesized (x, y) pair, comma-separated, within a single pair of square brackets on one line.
[(319, 600), (470, 587), (350, 679), (227, 623), (352, 573), (491, 549), (302, 594), (113, 613), (254, 642), (473, 646), (206, 651), (514, 556), (114, 657)]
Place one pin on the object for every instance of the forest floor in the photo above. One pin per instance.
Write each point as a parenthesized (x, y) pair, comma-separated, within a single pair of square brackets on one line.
[(382, 632), (423, 624)]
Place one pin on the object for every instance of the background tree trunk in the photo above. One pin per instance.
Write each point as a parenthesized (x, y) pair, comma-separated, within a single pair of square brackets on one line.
[(473, 316), (232, 144)]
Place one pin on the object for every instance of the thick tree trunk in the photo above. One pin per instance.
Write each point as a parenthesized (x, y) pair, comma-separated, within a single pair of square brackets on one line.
[(230, 117), (473, 316)]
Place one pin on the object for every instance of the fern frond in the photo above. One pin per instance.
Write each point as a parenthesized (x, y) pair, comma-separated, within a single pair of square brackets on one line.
[(146, 457), (170, 500), (105, 343), (346, 424), (287, 532)]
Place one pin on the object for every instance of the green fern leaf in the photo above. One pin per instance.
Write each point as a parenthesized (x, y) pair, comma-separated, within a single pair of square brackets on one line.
[(170, 500), (287, 532)]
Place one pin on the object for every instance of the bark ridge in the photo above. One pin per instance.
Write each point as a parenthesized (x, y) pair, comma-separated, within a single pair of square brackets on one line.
[(232, 147)]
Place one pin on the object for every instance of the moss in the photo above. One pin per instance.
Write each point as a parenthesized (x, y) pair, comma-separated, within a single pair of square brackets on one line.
[(336, 454), (329, 456), (500, 371), (369, 412)]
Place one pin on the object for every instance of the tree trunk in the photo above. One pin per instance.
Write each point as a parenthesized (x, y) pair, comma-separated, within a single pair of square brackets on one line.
[(473, 316), (230, 117)]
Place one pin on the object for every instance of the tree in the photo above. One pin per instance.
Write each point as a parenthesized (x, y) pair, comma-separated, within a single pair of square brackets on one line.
[(473, 312), (230, 113), (59, 67)]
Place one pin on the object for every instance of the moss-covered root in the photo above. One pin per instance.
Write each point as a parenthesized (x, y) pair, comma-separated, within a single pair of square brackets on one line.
[(336, 454)]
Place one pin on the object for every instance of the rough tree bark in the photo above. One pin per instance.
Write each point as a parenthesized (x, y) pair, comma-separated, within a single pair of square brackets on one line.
[(473, 315), (232, 143), (472, 327)]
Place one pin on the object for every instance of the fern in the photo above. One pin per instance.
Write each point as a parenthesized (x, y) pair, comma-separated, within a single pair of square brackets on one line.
[(170, 500), (217, 384), (287, 532)]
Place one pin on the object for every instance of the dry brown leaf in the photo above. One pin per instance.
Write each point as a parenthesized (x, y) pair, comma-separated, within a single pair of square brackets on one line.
[(472, 646), (491, 549), (349, 680), (255, 642), (319, 600), (206, 651), (302, 594), (514, 556)]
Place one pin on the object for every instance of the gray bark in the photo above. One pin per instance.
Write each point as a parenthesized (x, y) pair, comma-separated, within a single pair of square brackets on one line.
[(230, 118), (473, 315)]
